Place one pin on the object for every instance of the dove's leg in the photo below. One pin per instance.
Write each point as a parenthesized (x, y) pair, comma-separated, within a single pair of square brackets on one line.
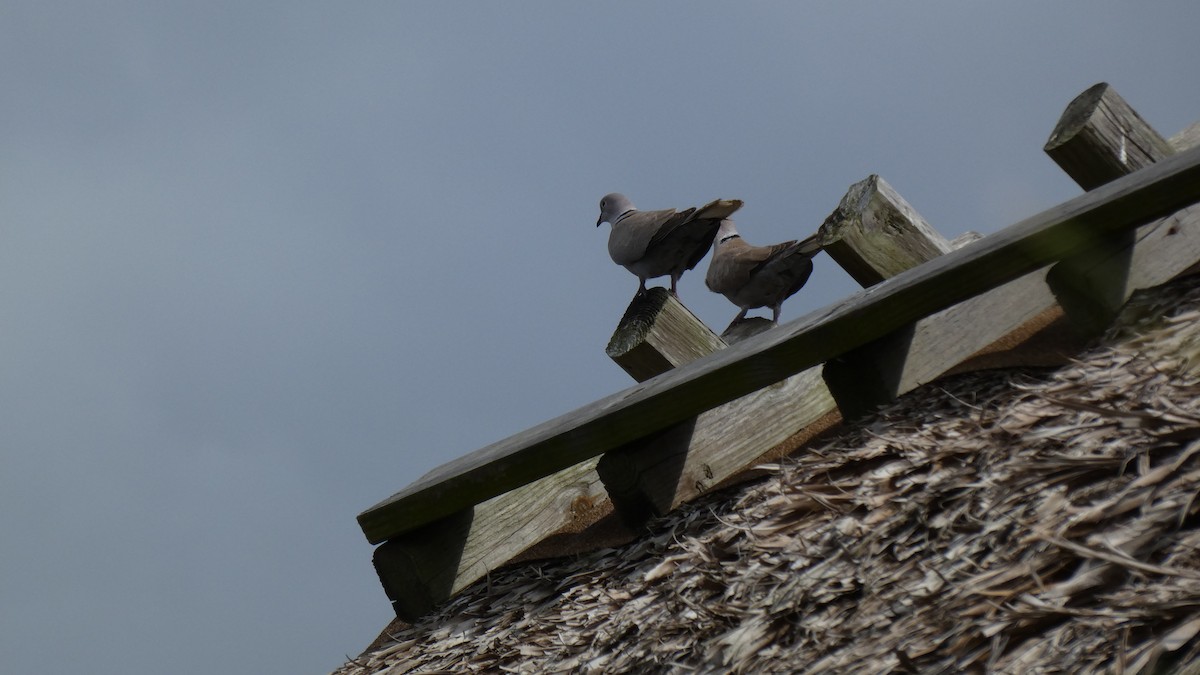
[(674, 284), (775, 313), (741, 315)]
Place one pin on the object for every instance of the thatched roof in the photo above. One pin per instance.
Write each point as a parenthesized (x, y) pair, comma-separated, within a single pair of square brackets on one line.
[(1009, 521)]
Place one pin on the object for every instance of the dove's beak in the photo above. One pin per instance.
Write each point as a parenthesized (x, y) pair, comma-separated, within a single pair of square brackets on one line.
[(599, 220)]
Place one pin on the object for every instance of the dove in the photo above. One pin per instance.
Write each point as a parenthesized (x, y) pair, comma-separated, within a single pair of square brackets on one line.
[(658, 243), (758, 276)]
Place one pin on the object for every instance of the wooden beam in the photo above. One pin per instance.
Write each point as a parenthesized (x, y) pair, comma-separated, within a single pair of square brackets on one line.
[(422, 568), (874, 234), (1186, 139), (658, 333), (1100, 138), (675, 396), (653, 475)]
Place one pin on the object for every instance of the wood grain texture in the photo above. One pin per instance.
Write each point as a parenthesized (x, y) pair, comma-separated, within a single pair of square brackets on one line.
[(1093, 284), (653, 476), (420, 569), (874, 234), (1186, 139), (1100, 138), (879, 234), (668, 399), (658, 333)]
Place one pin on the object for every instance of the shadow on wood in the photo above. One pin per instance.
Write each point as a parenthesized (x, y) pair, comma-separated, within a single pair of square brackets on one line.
[(656, 333), (654, 475), (862, 379), (875, 234), (1098, 139), (1094, 285), (640, 478), (418, 569), (746, 328)]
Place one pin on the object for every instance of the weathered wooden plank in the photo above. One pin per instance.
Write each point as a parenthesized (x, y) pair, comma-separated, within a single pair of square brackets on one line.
[(675, 396), (877, 233), (886, 368), (874, 234), (1098, 129), (421, 568), (1100, 137), (654, 475), (939, 343), (1186, 139), (658, 333), (654, 335)]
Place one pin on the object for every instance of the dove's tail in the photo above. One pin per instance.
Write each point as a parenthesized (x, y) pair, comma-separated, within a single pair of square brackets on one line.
[(719, 209)]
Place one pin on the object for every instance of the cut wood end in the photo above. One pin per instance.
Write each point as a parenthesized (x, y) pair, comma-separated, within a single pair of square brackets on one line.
[(637, 321), (1076, 115)]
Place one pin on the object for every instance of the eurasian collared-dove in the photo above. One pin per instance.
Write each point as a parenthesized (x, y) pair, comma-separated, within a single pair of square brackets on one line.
[(657, 243), (758, 276)]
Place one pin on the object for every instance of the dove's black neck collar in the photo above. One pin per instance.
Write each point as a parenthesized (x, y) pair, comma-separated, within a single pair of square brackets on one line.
[(727, 238), (622, 216)]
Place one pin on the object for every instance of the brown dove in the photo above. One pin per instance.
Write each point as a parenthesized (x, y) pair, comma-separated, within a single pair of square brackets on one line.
[(658, 243), (758, 276)]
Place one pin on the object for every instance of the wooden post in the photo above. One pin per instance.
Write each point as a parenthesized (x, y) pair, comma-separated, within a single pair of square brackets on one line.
[(653, 475), (1099, 138), (658, 333), (874, 234), (422, 568)]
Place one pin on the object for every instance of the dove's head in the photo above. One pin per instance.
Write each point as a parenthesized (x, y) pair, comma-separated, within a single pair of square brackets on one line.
[(726, 232), (612, 207)]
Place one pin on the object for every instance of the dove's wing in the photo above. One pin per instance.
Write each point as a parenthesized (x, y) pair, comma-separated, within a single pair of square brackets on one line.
[(632, 235), (760, 276), (734, 265)]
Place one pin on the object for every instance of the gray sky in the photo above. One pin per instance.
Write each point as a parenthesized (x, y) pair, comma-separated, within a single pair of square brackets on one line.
[(263, 265)]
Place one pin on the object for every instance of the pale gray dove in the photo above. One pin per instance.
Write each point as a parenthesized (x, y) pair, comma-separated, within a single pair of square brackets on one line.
[(656, 243), (758, 276)]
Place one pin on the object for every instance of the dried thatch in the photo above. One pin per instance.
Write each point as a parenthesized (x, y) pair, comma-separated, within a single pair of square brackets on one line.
[(1009, 522)]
